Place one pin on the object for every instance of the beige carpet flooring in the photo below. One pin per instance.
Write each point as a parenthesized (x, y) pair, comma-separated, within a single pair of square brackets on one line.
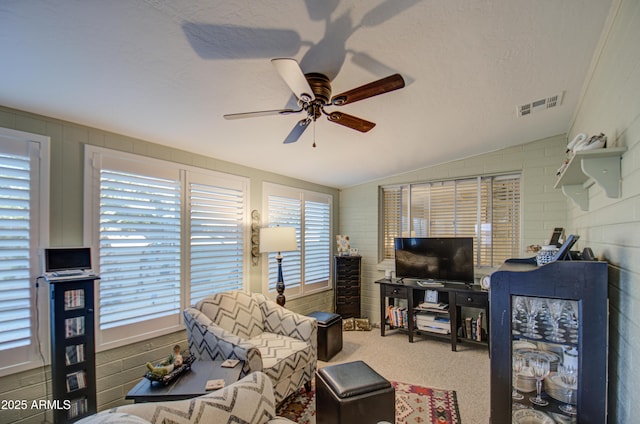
[(426, 362)]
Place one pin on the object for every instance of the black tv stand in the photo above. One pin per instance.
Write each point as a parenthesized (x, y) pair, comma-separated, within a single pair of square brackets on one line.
[(457, 295)]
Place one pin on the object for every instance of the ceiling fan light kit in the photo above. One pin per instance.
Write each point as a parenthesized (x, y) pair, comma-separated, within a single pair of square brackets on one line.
[(313, 91)]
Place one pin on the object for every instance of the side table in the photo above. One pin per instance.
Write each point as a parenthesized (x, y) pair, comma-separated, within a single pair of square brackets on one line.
[(189, 385)]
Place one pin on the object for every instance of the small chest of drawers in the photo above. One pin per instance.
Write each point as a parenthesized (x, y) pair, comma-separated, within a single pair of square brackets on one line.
[(347, 285)]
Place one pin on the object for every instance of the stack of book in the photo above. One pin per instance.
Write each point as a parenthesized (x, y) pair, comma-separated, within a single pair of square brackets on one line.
[(472, 328), (397, 316), (433, 322)]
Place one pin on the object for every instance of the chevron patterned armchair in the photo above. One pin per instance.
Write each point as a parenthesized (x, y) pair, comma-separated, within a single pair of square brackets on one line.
[(249, 400), (263, 334)]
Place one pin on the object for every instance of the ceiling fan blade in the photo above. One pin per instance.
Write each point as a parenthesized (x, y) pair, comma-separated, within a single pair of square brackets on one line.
[(381, 86), (292, 74), (351, 121), (260, 113), (297, 131)]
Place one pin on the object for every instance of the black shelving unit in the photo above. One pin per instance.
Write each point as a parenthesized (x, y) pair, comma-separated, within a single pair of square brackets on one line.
[(554, 316), (73, 368), (347, 289)]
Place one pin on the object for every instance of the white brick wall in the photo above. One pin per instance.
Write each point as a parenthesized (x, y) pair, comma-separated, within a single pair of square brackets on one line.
[(611, 227)]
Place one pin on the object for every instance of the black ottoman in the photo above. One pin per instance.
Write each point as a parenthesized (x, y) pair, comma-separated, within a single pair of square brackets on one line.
[(353, 393), (329, 334)]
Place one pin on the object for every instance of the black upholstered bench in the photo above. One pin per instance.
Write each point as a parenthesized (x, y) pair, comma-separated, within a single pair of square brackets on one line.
[(329, 334), (353, 393)]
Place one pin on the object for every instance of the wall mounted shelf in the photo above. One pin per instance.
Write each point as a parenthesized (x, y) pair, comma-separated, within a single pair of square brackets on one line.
[(585, 167)]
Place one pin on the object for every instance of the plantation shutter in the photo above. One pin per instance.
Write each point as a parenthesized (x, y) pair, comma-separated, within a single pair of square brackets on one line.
[(308, 268), (16, 246), (317, 241), (285, 212), (216, 238), (139, 246)]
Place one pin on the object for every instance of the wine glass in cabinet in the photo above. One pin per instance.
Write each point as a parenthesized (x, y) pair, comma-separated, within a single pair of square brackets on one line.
[(549, 328)]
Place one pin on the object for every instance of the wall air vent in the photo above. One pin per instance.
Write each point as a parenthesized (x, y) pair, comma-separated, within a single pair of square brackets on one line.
[(541, 104)]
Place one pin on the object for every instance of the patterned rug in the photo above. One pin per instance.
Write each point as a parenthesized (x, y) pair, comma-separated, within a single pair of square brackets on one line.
[(414, 404)]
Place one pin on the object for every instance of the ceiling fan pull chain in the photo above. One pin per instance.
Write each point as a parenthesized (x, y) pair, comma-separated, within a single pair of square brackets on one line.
[(314, 133)]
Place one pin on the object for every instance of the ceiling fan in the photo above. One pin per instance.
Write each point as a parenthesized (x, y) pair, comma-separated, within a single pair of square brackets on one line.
[(313, 91)]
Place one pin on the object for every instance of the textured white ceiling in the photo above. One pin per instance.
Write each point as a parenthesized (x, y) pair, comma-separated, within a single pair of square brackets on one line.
[(166, 71)]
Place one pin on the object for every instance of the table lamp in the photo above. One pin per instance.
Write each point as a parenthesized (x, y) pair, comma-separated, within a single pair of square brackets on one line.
[(278, 239)]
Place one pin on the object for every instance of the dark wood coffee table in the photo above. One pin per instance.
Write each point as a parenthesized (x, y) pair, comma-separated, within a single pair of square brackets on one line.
[(189, 385)]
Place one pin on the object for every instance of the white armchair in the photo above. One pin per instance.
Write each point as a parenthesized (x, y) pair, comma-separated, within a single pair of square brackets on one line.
[(249, 400), (268, 337)]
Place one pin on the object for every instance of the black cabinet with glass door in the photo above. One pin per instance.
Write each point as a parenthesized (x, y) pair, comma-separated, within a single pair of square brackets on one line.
[(549, 343), (73, 370)]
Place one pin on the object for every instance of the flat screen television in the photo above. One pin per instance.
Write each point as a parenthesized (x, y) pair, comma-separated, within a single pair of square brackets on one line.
[(448, 259)]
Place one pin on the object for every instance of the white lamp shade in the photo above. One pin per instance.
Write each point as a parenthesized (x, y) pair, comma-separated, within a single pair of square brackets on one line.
[(278, 239)]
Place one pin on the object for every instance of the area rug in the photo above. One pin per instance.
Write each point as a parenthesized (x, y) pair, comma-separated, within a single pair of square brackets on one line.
[(414, 404)]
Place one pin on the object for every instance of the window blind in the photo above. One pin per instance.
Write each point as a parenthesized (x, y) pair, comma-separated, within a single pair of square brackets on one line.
[(393, 225), (505, 219), (15, 247), (216, 239), (139, 248)]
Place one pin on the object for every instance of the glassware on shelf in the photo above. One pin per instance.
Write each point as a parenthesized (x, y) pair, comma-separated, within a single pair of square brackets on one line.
[(519, 362), (532, 307), (515, 311), (569, 376), (540, 368), (571, 308), (554, 309)]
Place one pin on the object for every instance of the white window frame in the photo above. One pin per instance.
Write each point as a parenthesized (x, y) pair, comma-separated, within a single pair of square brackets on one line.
[(295, 289), (94, 156), (38, 351)]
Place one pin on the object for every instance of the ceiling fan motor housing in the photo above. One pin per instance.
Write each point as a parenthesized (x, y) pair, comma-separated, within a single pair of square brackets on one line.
[(320, 85)]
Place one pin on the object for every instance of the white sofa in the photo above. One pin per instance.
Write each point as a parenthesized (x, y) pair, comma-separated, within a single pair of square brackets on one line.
[(249, 400), (268, 337)]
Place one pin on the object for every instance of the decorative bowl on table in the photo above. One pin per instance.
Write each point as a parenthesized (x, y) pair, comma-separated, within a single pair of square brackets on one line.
[(175, 373)]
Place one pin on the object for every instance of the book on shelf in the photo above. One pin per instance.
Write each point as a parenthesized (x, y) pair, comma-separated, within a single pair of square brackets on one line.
[(472, 328), (74, 354), (74, 327), (433, 307), (431, 329), (76, 380), (73, 299), (429, 283), (397, 316), (467, 328), (434, 322), (77, 407)]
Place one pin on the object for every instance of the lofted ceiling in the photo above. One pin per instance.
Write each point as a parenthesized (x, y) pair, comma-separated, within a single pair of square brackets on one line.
[(167, 71)]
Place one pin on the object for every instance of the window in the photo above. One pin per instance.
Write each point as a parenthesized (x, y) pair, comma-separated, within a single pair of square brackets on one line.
[(308, 269), (486, 208), (217, 235), (165, 236), (23, 230)]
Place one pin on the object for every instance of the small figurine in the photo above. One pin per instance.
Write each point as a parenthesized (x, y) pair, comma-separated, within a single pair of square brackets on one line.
[(165, 367)]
